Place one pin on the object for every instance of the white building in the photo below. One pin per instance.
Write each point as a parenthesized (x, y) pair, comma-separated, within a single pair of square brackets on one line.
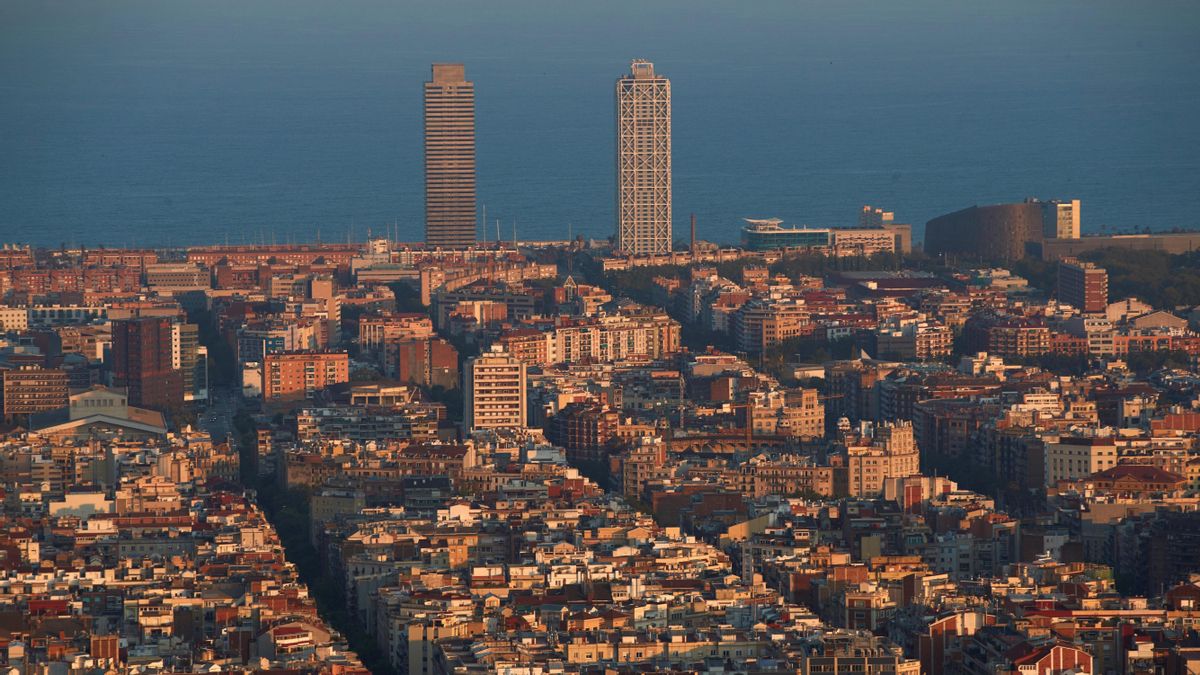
[(1071, 458)]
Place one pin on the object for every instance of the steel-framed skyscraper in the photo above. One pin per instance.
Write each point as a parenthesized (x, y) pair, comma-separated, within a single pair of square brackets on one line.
[(643, 161), (449, 157)]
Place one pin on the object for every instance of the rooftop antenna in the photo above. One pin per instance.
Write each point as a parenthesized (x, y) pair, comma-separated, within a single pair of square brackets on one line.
[(497, 233), (514, 233), (484, 225)]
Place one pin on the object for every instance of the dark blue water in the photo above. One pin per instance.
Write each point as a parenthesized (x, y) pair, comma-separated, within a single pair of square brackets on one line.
[(165, 123)]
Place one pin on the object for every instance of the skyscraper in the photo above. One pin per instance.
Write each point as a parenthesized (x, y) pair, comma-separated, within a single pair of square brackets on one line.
[(643, 161), (449, 157)]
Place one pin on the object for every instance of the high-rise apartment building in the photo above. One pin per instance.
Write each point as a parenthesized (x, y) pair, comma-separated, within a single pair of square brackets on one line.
[(495, 391), (143, 362), (1083, 285), (449, 157), (643, 161)]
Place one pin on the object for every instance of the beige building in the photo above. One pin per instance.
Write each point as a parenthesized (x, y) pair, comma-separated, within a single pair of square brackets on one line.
[(851, 242), (793, 412), (1070, 458), (449, 157), (1060, 219), (889, 452), (804, 413), (643, 161), (495, 391), (166, 277), (14, 318)]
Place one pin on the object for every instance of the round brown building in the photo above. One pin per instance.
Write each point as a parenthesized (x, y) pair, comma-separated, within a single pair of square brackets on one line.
[(997, 232)]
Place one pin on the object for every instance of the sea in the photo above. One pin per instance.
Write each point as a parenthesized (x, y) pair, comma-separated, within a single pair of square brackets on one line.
[(172, 123)]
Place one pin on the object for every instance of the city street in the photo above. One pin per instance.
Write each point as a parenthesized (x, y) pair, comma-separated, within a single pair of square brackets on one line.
[(217, 420)]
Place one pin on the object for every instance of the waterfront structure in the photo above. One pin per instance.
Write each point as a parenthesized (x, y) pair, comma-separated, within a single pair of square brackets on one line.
[(143, 352), (871, 217), (337, 255), (1083, 285), (449, 157), (1003, 231), (999, 231), (768, 234), (765, 234), (643, 161), (1060, 219), (496, 391), (1174, 243)]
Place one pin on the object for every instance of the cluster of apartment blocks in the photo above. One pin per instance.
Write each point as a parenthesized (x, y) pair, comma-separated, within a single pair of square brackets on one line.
[(913, 316), (749, 440), (590, 581), (546, 571), (902, 537), (279, 309), (1073, 426), (128, 551), (761, 310), (154, 353)]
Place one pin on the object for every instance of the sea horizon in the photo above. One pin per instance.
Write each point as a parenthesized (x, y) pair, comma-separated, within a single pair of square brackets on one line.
[(140, 123)]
